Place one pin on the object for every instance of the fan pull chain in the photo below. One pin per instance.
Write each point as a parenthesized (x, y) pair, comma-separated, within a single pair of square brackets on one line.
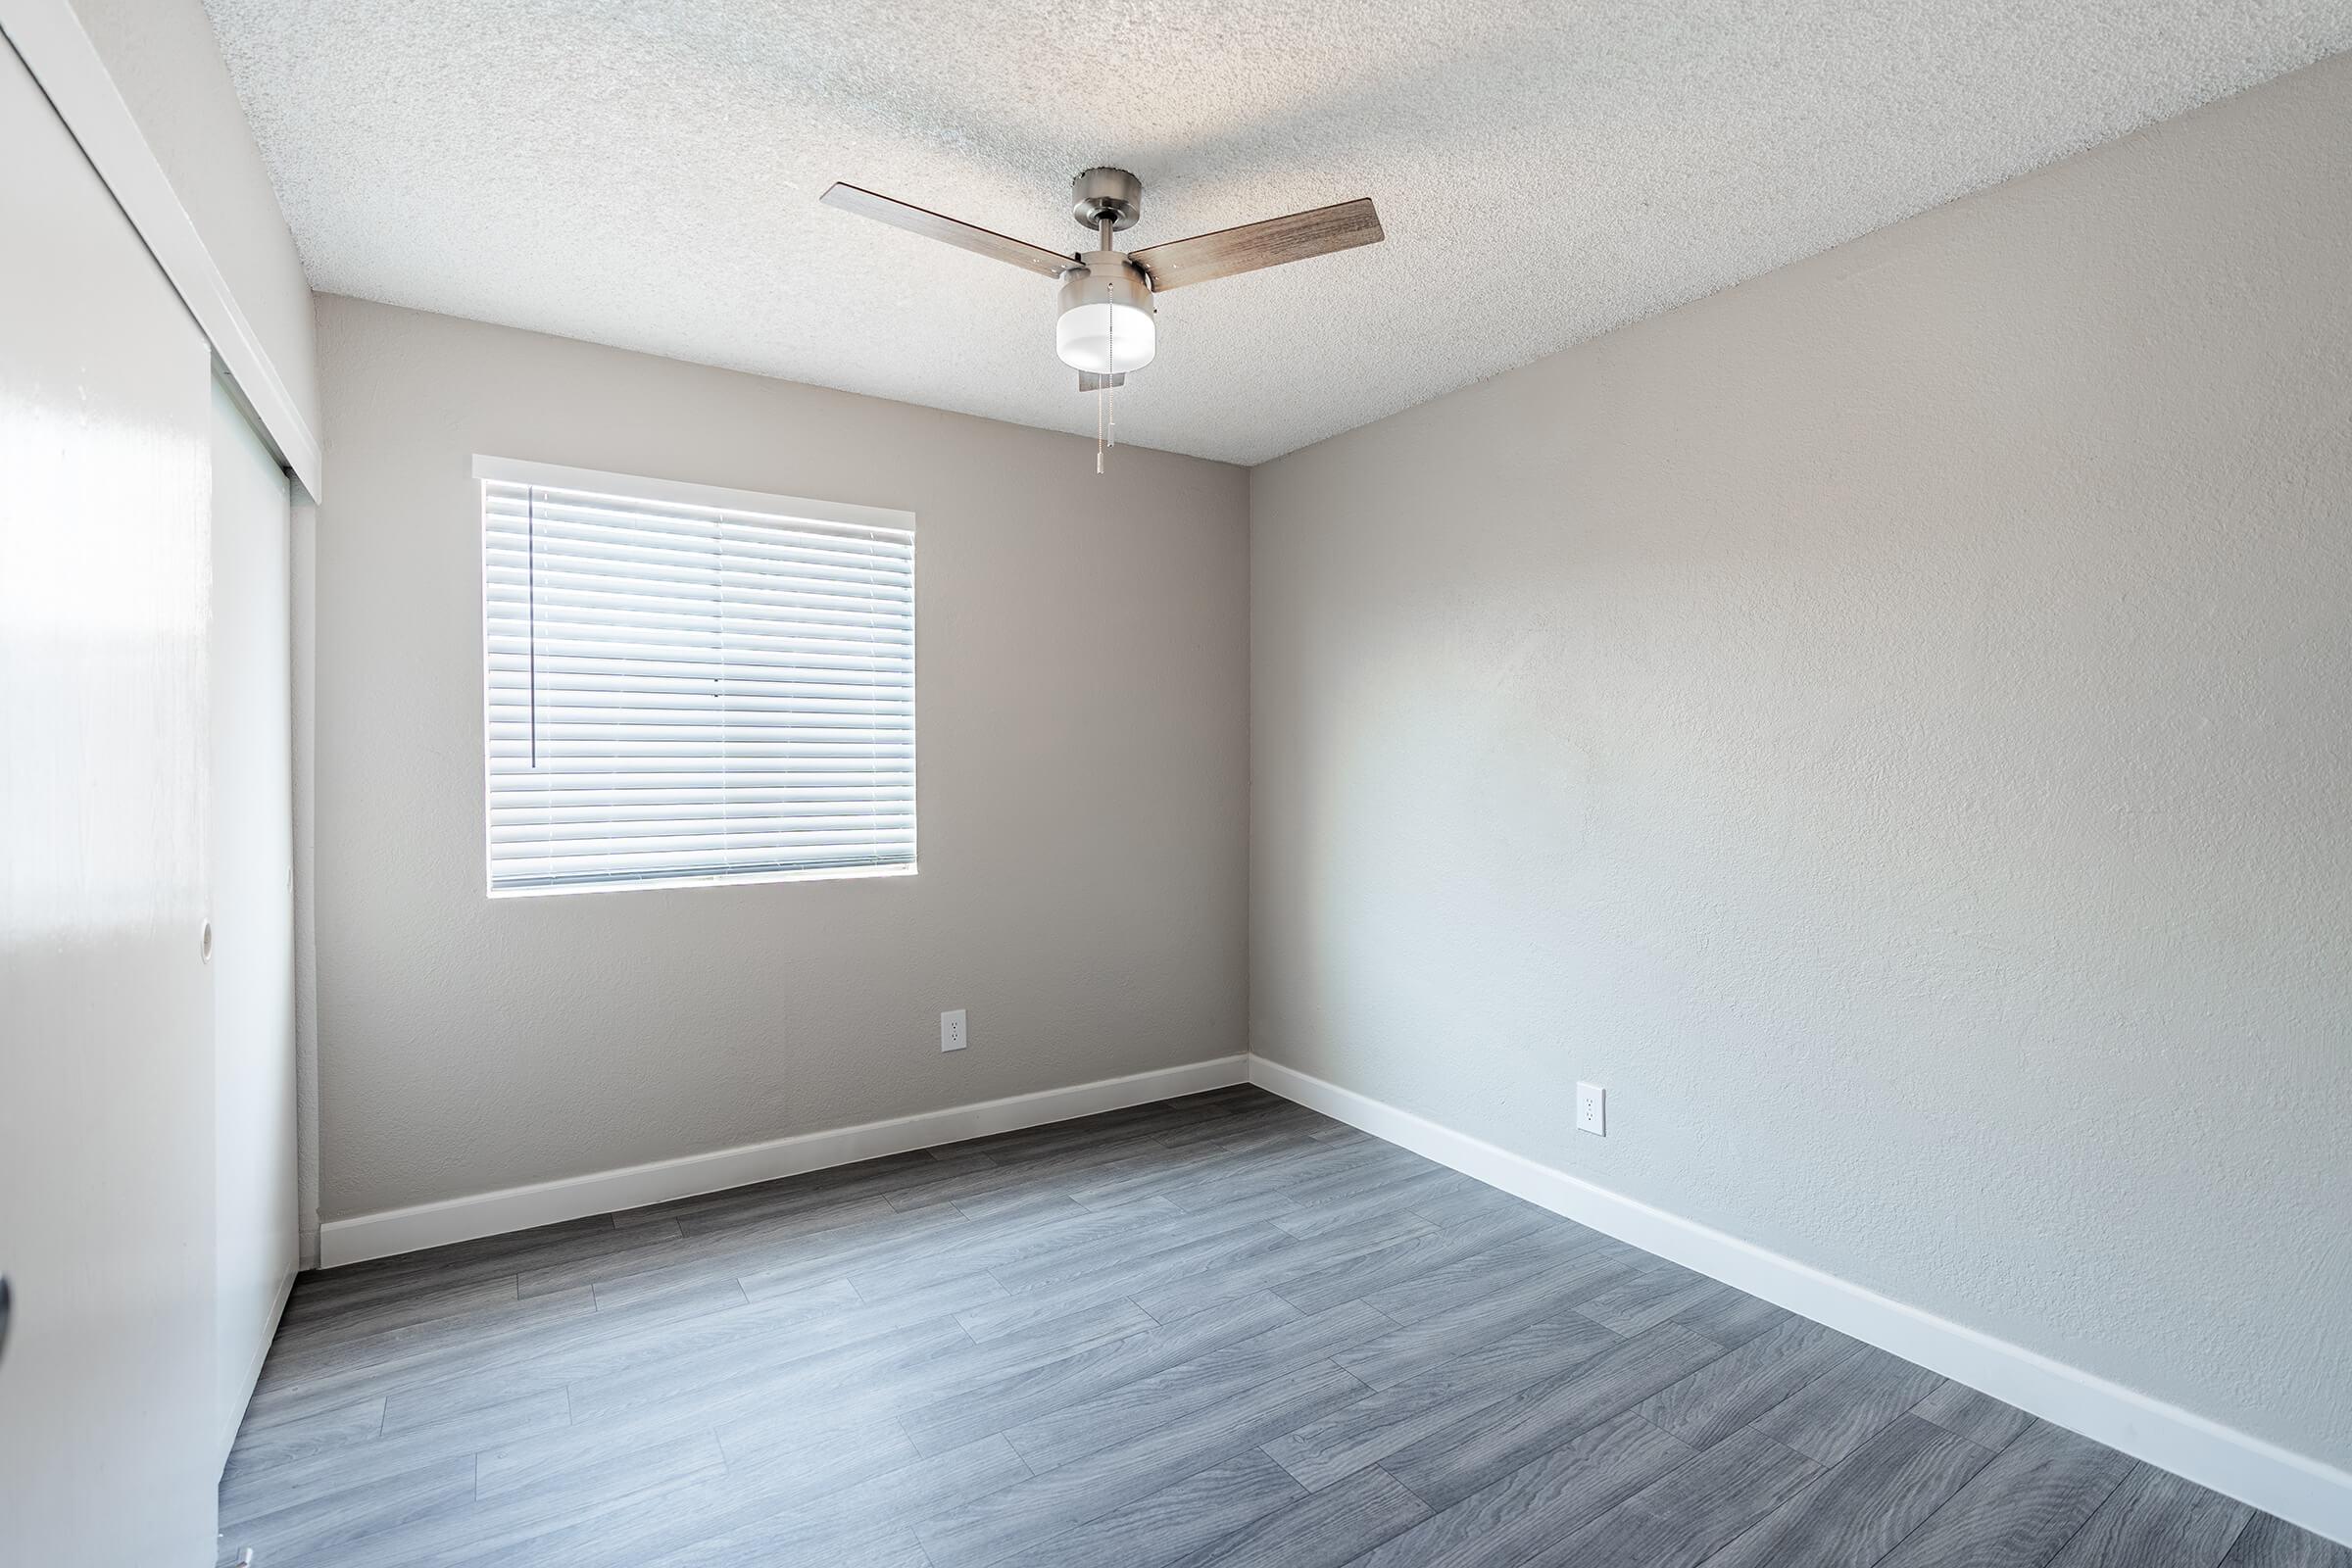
[(1103, 387)]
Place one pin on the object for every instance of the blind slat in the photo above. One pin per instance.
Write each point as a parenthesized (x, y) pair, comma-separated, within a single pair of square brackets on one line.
[(750, 818), (679, 693)]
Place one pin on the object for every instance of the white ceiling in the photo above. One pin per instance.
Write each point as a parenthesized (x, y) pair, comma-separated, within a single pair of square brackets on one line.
[(645, 175)]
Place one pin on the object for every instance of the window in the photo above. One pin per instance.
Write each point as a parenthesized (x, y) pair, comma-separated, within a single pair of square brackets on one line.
[(690, 685)]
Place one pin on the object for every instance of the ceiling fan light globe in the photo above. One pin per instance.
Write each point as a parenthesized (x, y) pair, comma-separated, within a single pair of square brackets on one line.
[(1105, 338), (1107, 325)]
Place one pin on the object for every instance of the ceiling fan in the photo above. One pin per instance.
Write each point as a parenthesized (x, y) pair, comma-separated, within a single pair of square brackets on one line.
[(1105, 328)]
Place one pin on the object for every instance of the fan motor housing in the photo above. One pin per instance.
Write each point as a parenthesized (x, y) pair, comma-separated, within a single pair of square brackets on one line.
[(1100, 193), (1106, 277)]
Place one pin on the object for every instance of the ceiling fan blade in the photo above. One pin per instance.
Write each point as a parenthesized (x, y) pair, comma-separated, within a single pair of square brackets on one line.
[(937, 226), (1205, 258)]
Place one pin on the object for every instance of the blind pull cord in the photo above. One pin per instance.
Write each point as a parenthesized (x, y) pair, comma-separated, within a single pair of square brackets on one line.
[(726, 733), (531, 578)]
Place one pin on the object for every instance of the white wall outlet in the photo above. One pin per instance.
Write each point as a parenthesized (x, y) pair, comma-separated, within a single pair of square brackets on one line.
[(952, 1035), (1592, 1109)]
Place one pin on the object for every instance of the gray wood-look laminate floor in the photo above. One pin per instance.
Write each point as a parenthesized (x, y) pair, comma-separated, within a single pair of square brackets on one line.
[(1217, 1330)]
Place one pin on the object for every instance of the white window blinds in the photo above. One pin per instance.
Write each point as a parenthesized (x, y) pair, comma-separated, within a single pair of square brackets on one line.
[(685, 684)]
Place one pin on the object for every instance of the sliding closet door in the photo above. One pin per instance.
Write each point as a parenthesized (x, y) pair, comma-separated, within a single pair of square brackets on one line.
[(252, 900), (108, 1400)]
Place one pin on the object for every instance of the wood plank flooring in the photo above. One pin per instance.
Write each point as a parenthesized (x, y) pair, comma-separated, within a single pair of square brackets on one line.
[(1219, 1330)]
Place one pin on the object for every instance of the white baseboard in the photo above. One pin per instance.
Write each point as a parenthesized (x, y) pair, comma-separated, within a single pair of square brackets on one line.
[(2299, 1490), (516, 1208)]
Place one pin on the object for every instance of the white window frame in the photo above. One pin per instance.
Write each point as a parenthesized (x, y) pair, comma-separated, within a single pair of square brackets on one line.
[(636, 487)]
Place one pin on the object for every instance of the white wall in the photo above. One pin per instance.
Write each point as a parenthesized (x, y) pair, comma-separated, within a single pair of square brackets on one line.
[(165, 62), (252, 904), (303, 615), (1889, 724), (106, 1399), (1081, 708)]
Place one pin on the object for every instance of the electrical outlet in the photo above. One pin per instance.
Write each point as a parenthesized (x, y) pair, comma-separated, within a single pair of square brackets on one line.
[(952, 1035), (1592, 1106)]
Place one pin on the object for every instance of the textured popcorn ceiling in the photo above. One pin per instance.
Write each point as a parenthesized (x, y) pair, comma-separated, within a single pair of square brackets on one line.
[(645, 175)]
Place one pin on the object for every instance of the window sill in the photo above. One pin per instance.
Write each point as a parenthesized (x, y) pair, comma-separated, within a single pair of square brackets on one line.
[(846, 873)]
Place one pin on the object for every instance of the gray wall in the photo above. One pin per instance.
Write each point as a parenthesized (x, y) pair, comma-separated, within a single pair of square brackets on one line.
[(1082, 668), (1887, 722)]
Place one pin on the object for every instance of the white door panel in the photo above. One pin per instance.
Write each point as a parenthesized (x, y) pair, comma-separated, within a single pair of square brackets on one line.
[(252, 903), (107, 1399)]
